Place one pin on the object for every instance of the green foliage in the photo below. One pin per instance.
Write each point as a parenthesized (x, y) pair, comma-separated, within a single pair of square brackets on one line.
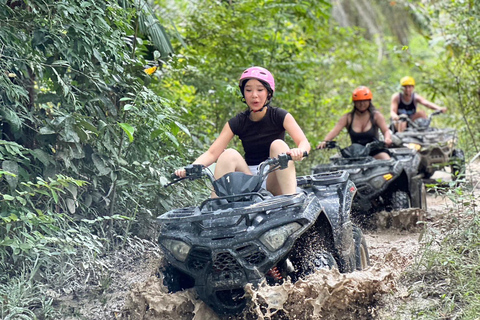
[(448, 265), (76, 99), (19, 296), (453, 75), (84, 144), (40, 244)]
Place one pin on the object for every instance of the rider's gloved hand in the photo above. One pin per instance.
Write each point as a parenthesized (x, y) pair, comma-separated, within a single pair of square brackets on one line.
[(296, 154), (322, 145)]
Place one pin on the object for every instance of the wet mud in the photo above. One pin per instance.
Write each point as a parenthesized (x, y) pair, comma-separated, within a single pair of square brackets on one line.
[(327, 294)]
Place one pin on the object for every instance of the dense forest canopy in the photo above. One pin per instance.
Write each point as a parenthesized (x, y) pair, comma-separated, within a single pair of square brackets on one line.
[(101, 100)]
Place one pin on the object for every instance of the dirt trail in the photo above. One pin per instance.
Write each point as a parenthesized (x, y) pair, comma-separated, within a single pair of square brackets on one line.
[(137, 293)]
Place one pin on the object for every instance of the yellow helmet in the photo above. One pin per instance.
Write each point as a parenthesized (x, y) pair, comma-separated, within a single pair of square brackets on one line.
[(407, 81)]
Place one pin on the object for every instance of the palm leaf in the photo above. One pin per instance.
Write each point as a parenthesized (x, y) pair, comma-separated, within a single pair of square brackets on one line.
[(150, 26)]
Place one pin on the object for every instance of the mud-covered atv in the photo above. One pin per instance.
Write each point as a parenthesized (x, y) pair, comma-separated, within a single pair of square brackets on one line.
[(247, 235), (388, 185), (437, 147)]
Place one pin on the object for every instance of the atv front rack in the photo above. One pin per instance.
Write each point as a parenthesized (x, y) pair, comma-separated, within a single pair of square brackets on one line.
[(193, 214), (323, 178)]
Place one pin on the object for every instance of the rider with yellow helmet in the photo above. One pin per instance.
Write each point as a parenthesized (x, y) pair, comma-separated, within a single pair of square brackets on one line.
[(406, 103)]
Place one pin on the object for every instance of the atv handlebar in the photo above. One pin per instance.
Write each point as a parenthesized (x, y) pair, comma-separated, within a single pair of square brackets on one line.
[(197, 171), (404, 117), (355, 150)]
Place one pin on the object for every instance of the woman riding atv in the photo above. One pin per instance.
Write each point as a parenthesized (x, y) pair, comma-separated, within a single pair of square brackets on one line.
[(362, 126), (261, 128), (406, 103)]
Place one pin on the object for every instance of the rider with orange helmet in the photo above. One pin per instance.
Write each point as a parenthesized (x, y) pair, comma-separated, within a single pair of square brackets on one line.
[(406, 103), (362, 123), (261, 128)]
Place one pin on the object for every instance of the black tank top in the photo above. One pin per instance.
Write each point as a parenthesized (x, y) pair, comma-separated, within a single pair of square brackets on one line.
[(364, 137), (407, 109)]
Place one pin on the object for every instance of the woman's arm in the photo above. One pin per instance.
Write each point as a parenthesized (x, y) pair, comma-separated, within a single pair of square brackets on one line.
[(294, 130), (428, 104), (394, 106), (382, 124), (217, 147), (342, 123), (215, 150)]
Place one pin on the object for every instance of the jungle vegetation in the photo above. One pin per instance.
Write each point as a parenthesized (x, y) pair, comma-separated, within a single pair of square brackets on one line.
[(101, 100)]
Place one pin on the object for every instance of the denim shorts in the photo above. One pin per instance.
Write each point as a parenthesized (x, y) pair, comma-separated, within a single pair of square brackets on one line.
[(254, 170)]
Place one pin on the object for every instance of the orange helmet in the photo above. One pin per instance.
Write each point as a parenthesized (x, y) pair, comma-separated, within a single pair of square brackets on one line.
[(407, 81), (362, 93)]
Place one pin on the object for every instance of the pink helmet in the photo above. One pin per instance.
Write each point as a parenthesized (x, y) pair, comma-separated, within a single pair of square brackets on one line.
[(258, 73)]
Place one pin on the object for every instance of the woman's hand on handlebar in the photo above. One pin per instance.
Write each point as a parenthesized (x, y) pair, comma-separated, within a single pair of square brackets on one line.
[(181, 173), (296, 154), (388, 141), (322, 145)]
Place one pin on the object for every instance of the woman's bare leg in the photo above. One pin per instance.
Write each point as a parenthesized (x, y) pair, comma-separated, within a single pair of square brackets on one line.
[(419, 114), (230, 161), (382, 156), (281, 181)]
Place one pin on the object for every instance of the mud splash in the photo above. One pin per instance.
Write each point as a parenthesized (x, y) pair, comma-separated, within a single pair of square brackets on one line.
[(327, 294)]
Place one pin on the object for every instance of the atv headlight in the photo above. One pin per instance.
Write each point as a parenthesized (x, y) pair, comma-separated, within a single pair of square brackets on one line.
[(377, 182), (451, 143), (414, 146), (178, 248), (275, 238)]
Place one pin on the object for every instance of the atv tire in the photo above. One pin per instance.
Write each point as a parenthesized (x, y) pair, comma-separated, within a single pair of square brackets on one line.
[(309, 263), (362, 258), (400, 200), (318, 260), (175, 280), (457, 166)]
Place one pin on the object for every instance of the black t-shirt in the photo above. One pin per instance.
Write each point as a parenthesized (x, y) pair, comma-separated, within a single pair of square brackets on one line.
[(257, 136)]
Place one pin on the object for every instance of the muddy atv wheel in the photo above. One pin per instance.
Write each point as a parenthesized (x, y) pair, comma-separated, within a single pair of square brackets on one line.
[(400, 200), (458, 163), (362, 258), (316, 261), (175, 280)]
